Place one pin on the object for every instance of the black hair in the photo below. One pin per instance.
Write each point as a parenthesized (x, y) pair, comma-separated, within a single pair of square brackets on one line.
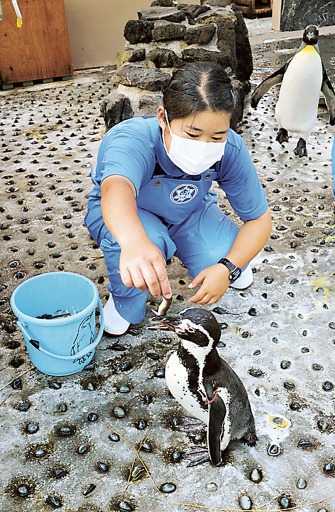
[(198, 87)]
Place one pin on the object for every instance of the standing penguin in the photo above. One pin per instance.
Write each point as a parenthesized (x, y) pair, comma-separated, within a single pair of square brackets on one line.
[(205, 385), (302, 78)]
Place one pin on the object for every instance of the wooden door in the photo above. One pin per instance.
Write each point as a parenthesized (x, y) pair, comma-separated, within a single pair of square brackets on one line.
[(40, 48)]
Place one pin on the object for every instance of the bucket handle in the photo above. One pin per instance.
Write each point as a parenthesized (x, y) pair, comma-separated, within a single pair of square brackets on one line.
[(36, 344)]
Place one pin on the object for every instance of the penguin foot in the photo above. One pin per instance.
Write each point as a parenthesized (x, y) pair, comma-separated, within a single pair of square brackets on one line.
[(250, 439), (198, 455), (282, 136), (191, 425), (301, 150)]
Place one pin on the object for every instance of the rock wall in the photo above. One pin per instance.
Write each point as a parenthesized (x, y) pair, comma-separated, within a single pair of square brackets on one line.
[(168, 35), (297, 14)]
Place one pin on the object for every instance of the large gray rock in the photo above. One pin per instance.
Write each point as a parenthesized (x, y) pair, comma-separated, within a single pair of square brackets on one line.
[(138, 31), (162, 3), (136, 76), (244, 61), (207, 32), (199, 34), (226, 40), (216, 3), (239, 96), (148, 103), (202, 55), (193, 11), (163, 58), (168, 31), (115, 108), (130, 55), (162, 13)]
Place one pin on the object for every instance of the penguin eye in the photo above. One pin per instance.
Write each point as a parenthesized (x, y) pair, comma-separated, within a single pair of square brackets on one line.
[(191, 329)]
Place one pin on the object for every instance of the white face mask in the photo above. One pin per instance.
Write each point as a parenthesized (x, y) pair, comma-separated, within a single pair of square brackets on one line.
[(193, 156)]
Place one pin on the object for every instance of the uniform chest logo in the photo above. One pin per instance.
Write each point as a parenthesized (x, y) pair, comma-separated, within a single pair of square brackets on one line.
[(183, 194)]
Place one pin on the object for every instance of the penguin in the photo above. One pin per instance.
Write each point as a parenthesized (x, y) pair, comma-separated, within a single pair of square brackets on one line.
[(302, 79), (205, 385), (83, 329)]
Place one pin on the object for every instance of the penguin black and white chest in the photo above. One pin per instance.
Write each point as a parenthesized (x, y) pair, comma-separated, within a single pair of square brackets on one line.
[(205, 385), (302, 79)]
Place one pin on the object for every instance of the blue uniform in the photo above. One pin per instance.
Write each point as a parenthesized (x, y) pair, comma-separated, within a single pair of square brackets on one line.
[(179, 212)]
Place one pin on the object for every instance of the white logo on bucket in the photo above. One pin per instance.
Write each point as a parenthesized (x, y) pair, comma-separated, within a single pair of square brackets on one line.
[(183, 194), (84, 326)]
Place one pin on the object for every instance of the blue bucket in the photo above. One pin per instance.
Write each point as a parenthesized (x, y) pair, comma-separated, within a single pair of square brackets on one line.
[(63, 340)]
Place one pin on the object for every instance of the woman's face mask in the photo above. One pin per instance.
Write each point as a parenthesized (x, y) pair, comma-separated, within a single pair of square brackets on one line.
[(193, 156)]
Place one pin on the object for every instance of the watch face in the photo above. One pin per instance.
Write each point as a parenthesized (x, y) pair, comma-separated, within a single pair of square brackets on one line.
[(235, 274)]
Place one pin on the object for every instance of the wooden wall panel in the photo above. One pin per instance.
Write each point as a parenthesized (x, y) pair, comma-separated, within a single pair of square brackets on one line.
[(40, 48)]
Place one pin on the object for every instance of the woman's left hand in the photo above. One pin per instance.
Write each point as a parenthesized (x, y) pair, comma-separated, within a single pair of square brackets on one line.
[(214, 284)]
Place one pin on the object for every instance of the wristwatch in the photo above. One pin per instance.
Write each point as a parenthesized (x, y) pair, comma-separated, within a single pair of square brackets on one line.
[(235, 271)]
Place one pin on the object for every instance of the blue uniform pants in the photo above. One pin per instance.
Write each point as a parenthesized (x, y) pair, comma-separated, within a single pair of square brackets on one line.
[(333, 167), (200, 241)]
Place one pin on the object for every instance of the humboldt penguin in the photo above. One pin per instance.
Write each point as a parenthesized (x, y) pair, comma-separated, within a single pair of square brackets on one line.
[(205, 385), (302, 79)]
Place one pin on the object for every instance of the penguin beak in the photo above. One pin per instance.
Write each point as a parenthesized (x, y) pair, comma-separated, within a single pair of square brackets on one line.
[(165, 323), (311, 34)]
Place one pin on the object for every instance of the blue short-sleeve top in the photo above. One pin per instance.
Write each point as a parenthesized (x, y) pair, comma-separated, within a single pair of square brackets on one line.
[(134, 149)]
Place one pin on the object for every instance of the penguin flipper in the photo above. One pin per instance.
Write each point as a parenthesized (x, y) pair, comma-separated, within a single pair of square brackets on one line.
[(217, 413), (266, 84), (329, 94)]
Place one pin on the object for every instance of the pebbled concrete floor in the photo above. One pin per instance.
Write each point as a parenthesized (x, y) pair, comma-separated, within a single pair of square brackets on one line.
[(69, 443)]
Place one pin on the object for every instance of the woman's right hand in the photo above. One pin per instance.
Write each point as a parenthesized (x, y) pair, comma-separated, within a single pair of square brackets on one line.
[(143, 265)]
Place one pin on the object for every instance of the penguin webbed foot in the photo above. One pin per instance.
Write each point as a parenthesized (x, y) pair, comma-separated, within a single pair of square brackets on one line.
[(301, 149), (250, 439), (282, 136), (191, 425), (198, 455)]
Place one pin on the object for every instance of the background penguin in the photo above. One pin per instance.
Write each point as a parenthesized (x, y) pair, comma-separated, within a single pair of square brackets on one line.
[(302, 78), (205, 385)]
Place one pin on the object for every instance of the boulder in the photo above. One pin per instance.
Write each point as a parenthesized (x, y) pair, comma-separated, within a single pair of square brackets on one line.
[(226, 40), (168, 31), (244, 62), (216, 3), (162, 3), (199, 34), (162, 13), (138, 31), (148, 103), (164, 58), (202, 55), (130, 55), (193, 11), (115, 108), (239, 96), (136, 76)]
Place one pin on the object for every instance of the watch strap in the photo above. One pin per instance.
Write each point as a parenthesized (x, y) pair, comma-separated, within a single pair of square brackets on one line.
[(235, 271)]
